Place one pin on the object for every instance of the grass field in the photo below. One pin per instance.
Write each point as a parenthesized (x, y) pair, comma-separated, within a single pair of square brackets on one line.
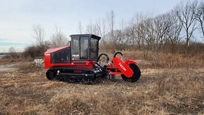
[(170, 84), (160, 91)]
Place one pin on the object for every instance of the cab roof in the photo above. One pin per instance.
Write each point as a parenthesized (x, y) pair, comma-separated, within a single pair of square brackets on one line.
[(86, 35)]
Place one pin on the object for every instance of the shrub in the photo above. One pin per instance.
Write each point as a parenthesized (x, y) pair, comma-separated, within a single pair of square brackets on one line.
[(35, 51)]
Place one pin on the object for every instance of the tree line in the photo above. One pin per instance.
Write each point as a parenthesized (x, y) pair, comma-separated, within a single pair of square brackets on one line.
[(178, 29), (182, 26)]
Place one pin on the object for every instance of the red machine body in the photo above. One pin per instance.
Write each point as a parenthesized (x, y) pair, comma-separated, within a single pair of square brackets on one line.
[(79, 62)]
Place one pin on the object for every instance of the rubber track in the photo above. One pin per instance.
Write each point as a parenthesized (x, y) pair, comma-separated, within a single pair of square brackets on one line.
[(82, 69)]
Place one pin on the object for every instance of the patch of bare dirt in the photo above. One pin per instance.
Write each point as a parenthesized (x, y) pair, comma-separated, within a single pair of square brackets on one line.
[(8, 67)]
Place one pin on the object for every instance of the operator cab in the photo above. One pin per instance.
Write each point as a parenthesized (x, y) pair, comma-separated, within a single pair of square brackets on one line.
[(84, 46)]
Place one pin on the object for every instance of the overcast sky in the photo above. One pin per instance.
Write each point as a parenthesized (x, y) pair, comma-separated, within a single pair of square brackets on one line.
[(17, 17)]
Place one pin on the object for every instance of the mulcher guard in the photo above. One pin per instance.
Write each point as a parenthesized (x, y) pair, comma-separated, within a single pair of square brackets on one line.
[(128, 69), (123, 67)]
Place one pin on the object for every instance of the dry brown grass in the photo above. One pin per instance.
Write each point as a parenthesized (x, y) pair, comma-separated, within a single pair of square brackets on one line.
[(165, 60), (171, 87), (10, 59), (178, 61), (159, 91)]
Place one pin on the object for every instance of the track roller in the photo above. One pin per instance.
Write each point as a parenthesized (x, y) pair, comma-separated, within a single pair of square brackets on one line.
[(89, 80)]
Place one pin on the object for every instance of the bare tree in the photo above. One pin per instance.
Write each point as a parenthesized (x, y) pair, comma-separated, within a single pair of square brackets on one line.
[(111, 22), (38, 34), (110, 38), (98, 28), (80, 30), (200, 16), (94, 28), (149, 33), (12, 52), (104, 32), (186, 15), (148, 36), (104, 28), (173, 34), (163, 25), (58, 39), (90, 28), (136, 30), (122, 37)]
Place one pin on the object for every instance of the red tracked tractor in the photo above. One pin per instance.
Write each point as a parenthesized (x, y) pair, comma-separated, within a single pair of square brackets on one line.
[(79, 62)]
